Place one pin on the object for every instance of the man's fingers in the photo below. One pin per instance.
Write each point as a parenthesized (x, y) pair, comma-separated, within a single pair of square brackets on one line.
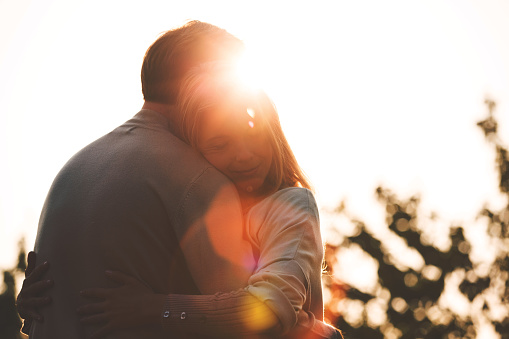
[(31, 303), (119, 277), (89, 309), (35, 316), (124, 279), (94, 319), (30, 263), (27, 323), (103, 331), (37, 273), (37, 288), (95, 293)]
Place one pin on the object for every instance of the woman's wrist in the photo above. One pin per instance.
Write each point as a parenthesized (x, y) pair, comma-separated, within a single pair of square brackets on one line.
[(165, 312)]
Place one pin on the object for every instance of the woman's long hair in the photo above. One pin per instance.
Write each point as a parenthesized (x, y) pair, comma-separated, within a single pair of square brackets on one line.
[(206, 87)]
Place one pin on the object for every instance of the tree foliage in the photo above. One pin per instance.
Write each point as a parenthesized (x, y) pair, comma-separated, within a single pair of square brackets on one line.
[(412, 301), (10, 323)]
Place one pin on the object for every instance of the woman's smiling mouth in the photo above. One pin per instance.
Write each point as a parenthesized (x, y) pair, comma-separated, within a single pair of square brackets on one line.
[(247, 172)]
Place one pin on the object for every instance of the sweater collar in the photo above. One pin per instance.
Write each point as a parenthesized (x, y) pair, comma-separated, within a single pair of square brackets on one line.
[(154, 119)]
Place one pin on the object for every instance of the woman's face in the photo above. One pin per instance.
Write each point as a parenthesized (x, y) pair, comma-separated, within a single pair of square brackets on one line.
[(232, 142)]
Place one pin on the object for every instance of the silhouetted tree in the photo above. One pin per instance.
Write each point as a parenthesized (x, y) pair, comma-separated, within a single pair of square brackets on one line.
[(410, 298), (10, 323)]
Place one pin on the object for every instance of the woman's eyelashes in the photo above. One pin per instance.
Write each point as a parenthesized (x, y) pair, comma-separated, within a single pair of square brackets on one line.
[(216, 145), (239, 134), (219, 146)]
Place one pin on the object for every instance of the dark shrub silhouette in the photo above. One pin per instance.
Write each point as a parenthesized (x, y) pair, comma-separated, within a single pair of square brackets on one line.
[(410, 298)]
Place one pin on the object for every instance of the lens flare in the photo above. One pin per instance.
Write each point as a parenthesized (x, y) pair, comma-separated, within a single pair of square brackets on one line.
[(251, 112)]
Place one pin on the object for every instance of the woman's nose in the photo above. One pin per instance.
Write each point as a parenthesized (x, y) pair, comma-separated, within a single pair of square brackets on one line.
[(244, 152)]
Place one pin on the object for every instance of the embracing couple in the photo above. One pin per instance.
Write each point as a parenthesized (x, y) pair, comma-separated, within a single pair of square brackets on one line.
[(191, 220)]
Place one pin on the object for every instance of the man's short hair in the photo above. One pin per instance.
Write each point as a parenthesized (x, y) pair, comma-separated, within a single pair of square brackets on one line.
[(177, 50)]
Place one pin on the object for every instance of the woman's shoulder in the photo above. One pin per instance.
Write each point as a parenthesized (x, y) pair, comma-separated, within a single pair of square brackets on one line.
[(294, 199), (295, 195), (286, 211)]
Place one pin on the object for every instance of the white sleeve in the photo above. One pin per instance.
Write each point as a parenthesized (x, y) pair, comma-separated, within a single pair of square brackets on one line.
[(290, 252)]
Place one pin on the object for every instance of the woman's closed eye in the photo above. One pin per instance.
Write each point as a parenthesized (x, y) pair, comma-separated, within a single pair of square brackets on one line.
[(218, 145)]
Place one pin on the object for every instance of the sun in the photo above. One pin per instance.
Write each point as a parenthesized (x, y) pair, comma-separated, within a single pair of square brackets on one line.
[(249, 71)]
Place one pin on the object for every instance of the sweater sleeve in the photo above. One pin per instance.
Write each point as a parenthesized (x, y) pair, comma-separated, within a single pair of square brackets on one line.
[(285, 228)]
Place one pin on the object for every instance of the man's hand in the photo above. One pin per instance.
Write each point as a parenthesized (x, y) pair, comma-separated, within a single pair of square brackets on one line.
[(130, 305), (30, 298)]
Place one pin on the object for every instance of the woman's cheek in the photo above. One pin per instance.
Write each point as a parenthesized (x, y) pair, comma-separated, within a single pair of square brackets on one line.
[(218, 160)]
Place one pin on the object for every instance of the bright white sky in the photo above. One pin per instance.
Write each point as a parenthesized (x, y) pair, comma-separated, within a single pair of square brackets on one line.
[(369, 92)]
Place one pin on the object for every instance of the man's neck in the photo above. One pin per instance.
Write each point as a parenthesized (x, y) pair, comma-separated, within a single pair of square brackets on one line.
[(168, 111), (164, 109)]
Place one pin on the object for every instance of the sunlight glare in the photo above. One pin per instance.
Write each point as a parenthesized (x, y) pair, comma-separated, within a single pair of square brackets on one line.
[(247, 72), (251, 112)]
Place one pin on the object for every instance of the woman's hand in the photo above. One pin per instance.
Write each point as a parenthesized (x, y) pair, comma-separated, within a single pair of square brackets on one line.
[(131, 304), (30, 297)]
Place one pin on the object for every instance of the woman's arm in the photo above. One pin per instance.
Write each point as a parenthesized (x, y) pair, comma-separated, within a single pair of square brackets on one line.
[(132, 304), (286, 230)]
